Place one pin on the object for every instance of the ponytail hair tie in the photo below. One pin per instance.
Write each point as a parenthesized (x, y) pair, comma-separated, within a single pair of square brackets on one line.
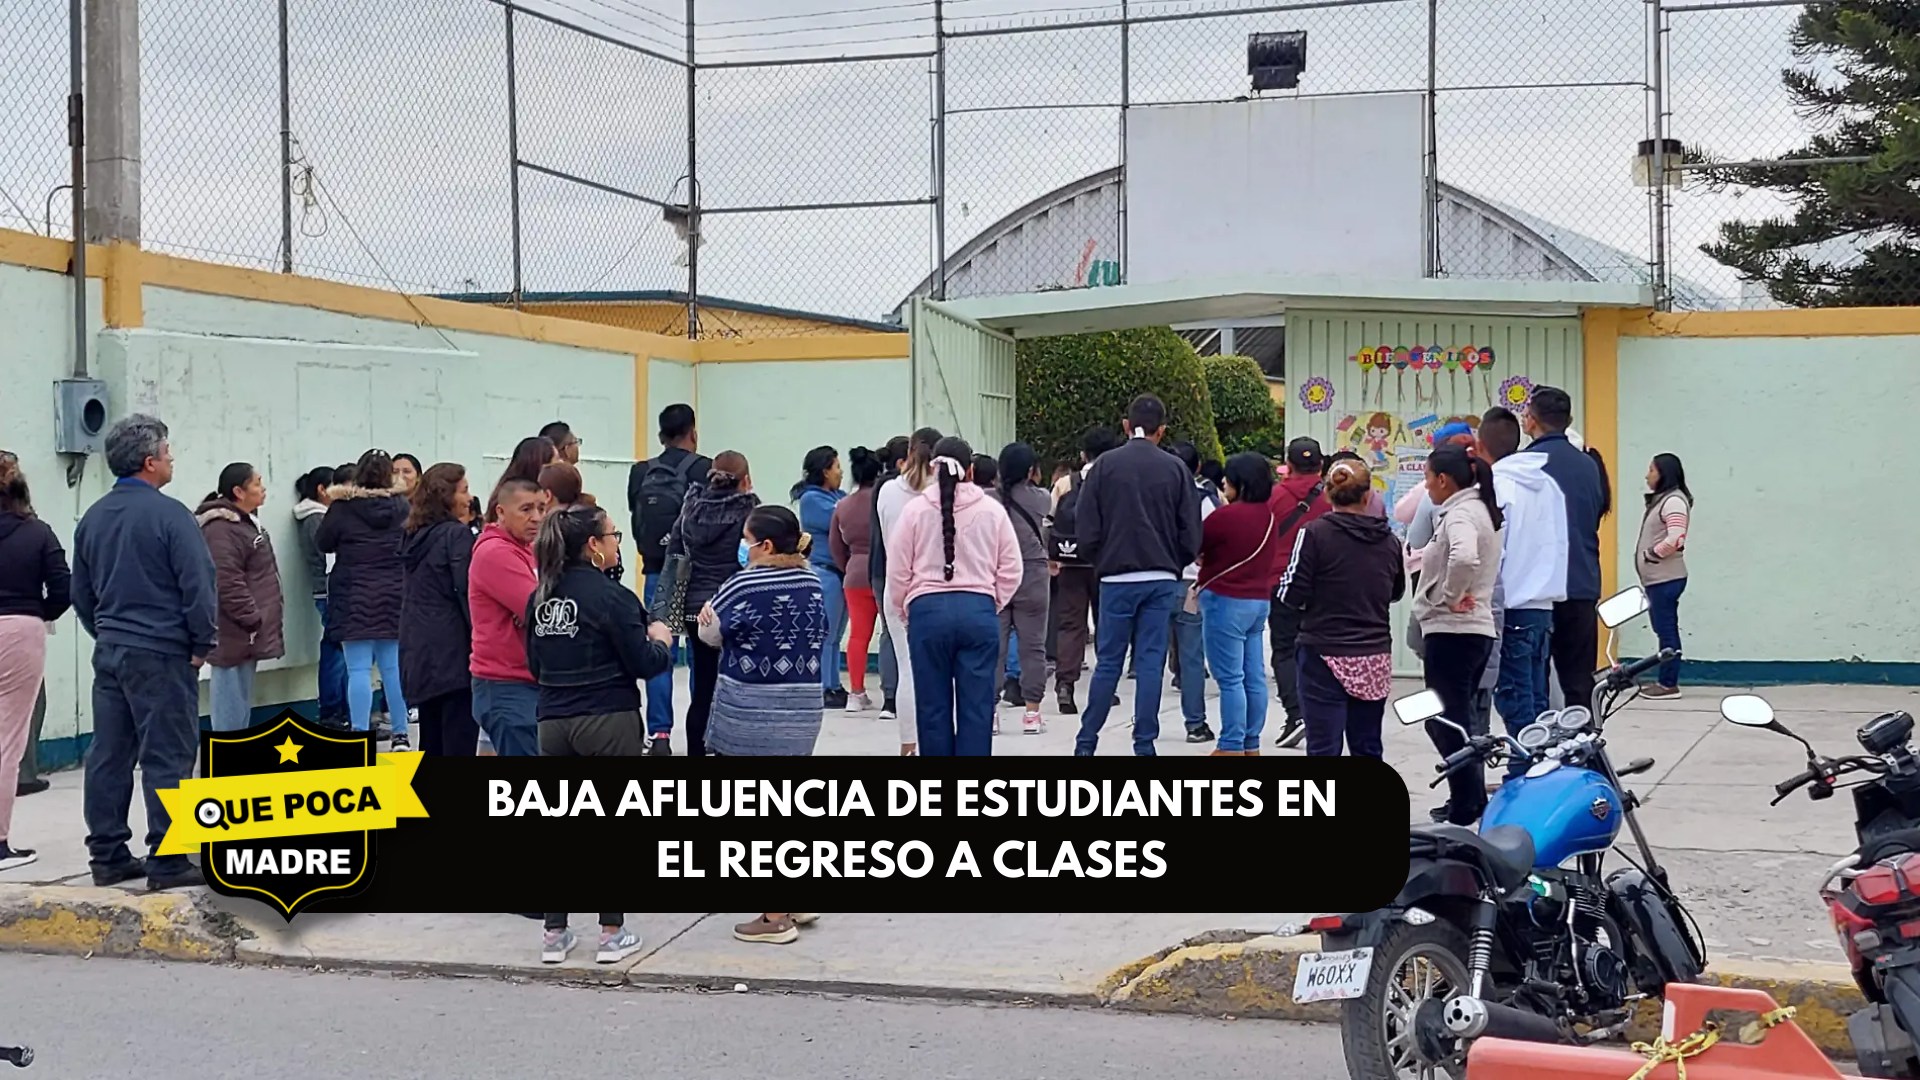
[(951, 465)]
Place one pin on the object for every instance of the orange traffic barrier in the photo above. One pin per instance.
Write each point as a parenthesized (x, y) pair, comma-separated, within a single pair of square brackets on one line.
[(1689, 1047)]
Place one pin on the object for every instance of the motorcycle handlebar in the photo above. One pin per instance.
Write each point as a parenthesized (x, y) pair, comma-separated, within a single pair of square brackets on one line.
[(1647, 663), (1788, 787)]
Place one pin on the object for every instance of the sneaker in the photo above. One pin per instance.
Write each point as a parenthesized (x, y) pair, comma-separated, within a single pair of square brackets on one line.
[(835, 698), (859, 702), (31, 787), (1660, 693), (804, 918), (888, 710), (186, 878), (555, 945), (1291, 736), (120, 872), (399, 745), (1031, 723), (616, 946), (1010, 692), (1065, 700), (11, 857), (996, 723), (1227, 753), (782, 932), (659, 746), (1200, 734)]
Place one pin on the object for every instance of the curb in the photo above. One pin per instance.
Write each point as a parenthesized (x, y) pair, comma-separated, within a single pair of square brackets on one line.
[(1253, 978), (111, 922)]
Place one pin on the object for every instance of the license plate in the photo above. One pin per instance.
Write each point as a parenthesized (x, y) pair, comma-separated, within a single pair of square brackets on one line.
[(1332, 976)]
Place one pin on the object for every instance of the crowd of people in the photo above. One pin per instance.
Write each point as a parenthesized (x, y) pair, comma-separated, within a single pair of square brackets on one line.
[(508, 625)]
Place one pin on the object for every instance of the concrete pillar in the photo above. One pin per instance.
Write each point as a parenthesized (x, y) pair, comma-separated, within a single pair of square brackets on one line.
[(113, 120)]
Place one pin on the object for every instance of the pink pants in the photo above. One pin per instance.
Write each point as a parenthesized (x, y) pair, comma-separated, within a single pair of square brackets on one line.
[(23, 660)]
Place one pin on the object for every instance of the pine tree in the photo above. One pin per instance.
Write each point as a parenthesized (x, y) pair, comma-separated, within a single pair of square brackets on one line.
[(1854, 236)]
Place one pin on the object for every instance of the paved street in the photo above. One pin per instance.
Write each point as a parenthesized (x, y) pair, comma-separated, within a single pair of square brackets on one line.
[(1747, 871), (96, 1018)]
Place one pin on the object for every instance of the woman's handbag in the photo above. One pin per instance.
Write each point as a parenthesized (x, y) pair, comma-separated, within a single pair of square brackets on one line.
[(671, 591)]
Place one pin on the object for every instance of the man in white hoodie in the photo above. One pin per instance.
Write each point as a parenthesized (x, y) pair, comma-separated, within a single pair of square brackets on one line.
[(1533, 570)]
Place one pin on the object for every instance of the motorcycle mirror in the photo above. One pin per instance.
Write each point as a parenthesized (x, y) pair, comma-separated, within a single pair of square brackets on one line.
[(1624, 606), (1418, 708), (1747, 710)]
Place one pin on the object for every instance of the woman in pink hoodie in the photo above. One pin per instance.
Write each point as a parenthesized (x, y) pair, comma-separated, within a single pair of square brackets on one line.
[(961, 566)]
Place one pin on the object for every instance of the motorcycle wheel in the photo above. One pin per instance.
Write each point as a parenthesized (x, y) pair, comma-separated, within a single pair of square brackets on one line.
[(1411, 965)]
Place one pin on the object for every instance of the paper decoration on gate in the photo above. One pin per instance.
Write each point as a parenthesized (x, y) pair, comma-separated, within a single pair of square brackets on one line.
[(1516, 392), (1378, 437), (1424, 360), (1316, 395)]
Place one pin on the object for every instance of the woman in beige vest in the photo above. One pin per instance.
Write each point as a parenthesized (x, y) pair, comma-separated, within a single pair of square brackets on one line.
[(1661, 559)]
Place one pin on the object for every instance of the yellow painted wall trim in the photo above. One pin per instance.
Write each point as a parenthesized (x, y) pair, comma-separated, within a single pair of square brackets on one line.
[(122, 305), (822, 347), (641, 434), (167, 271), (36, 252), (1600, 344), (1795, 322)]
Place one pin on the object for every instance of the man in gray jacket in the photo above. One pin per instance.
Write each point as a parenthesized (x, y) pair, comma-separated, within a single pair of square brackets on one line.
[(143, 586)]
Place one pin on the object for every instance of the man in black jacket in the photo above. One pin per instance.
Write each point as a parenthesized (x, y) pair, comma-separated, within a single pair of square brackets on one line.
[(656, 490), (1139, 524), (1575, 640)]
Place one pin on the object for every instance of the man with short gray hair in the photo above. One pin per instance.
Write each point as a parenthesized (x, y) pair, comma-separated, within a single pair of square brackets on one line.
[(143, 586)]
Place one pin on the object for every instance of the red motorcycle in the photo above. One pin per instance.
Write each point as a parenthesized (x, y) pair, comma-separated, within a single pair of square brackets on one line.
[(1873, 895)]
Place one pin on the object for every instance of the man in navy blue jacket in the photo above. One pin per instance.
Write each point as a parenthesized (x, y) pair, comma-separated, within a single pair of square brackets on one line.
[(143, 586), (1576, 630)]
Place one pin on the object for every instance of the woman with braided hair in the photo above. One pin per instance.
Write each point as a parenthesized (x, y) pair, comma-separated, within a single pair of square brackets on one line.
[(954, 563)]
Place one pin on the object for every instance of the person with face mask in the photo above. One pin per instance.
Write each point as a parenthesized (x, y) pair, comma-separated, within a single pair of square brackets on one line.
[(248, 581), (708, 536), (499, 582)]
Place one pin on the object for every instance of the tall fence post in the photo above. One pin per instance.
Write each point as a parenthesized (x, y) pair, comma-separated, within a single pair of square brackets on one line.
[(1432, 225), (513, 154), (286, 151), (113, 120), (1126, 102), (77, 146), (940, 149), (1662, 227), (693, 184)]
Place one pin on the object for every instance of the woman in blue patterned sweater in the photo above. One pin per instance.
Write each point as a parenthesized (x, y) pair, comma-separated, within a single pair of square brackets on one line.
[(769, 622)]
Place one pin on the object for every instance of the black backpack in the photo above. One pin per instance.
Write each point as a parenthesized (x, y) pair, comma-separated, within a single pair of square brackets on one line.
[(1063, 545), (656, 502)]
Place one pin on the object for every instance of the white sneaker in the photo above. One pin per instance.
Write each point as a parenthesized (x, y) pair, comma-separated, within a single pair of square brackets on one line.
[(996, 723), (858, 703), (1032, 723), (889, 712), (555, 945), (617, 946)]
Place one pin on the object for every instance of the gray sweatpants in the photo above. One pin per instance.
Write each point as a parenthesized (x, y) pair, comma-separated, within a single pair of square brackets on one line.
[(1027, 614)]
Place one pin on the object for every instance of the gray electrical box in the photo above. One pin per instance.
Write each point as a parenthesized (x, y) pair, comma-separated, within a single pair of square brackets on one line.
[(79, 416)]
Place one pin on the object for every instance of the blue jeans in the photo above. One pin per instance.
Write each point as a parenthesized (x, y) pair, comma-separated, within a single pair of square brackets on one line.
[(145, 713), (953, 642), (1137, 613), (333, 670), (1189, 641), (1236, 636), (833, 589), (1664, 599), (230, 693), (1520, 695), (506, 711), (361, 658), (660, 687)]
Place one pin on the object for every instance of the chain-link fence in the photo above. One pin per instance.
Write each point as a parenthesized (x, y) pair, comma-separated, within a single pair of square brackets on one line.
[(845, 156)]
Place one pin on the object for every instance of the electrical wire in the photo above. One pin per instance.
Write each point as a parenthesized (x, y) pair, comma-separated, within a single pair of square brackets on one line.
[(638, 37), (819, 14), (18, 209), (756, 49), (674, 27), (785, 31)]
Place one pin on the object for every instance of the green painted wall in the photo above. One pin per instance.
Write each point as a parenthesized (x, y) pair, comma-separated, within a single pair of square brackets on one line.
[(775, 412), (1796, 551), (669, 382)]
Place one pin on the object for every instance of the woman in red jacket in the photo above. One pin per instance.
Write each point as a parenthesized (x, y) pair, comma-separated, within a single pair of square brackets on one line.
[(1238, 551)]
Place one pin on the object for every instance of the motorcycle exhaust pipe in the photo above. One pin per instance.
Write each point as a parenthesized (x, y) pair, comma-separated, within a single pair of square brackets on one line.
[(1472, 1018)]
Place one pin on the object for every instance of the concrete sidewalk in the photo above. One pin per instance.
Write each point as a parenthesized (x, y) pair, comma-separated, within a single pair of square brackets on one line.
[(1747, 871)]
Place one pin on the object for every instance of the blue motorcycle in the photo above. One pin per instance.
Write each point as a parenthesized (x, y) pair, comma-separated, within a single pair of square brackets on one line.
[(1517, 930)]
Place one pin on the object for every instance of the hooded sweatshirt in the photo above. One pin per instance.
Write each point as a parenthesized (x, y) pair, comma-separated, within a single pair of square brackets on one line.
[(306, 515), (248, 580), (1533, 542), (986, 553), (1579, 481), (816, 516), (34, 579), (1287, 496), (363, 528), (499, 584), (1344, 575)]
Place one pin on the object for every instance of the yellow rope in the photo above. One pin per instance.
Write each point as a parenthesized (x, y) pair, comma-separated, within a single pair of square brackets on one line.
[(1660, 1051), (1753, 1033)]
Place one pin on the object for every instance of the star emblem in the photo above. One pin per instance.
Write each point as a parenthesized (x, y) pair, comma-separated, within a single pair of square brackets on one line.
[(289, 751)]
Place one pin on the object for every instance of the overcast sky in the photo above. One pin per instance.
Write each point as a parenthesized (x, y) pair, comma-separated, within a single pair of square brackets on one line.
[(400, 107)]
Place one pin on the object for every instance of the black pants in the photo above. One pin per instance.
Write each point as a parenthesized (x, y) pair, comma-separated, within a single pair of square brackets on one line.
[(617, 734), (1283, 632), (706, 674), (145, 707), (558, 920), (446, 727), (1576, 648), (1454, 665), (1333, 716), (1076, 598)]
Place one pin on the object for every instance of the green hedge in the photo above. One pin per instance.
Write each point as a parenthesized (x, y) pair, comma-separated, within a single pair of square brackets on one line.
[(1068, 384), (1239, 394)]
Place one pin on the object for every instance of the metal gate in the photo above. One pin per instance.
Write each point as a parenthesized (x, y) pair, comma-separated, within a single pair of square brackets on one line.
[(963, 376)]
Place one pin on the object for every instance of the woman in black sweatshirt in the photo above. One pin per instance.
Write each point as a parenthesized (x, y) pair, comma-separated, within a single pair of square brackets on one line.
[(34, 591), (1346, 572)]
